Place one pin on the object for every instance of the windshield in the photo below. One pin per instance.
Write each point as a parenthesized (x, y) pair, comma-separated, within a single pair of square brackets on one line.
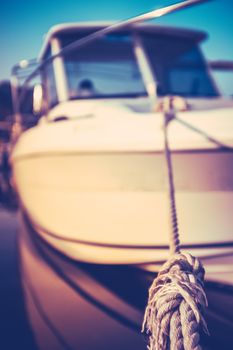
[(178, 66), (108, 67), (105, 68)]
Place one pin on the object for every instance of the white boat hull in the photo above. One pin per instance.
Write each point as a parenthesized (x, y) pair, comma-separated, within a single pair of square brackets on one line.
[(113, 208), (95, 187)]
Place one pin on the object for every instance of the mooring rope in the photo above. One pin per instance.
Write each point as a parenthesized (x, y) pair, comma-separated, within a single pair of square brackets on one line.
[(174, 236), (204, 134), (174, 313)]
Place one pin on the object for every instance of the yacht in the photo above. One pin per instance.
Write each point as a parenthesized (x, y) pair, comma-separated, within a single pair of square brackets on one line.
[(90, 170)]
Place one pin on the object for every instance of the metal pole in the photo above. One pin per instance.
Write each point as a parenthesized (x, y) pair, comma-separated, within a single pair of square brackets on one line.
[(116, 26)]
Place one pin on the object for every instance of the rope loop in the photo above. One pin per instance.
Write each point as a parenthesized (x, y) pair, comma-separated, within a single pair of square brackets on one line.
[(174, 314)]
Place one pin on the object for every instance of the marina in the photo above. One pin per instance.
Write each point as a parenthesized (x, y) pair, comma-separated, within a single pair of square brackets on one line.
[(116, 190)]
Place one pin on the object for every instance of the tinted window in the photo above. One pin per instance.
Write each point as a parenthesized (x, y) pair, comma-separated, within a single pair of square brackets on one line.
[(179, 67), (104, 68)]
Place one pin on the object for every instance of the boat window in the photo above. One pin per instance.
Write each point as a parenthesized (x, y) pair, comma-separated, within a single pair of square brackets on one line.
[(49, 82), (104, 68), (179, 67)]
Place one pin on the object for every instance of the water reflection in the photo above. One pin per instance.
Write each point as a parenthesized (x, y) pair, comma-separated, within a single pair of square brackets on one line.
[(70, 306), (15, 331), (80, 306)]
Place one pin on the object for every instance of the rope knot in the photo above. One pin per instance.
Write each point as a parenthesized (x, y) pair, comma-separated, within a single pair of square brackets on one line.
[(174, 313)]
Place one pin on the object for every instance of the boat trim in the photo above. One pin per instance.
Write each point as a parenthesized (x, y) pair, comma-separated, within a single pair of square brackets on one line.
[(198, 35), (37, 227), (210, 149), (59, 72), (146, 70)]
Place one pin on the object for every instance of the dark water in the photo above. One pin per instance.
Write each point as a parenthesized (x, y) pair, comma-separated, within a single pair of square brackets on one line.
[(15, 331), (50, 302)]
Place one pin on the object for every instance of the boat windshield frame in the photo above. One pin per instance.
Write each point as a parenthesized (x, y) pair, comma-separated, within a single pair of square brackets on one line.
[(141, 60), (146, 70), (54, 56)]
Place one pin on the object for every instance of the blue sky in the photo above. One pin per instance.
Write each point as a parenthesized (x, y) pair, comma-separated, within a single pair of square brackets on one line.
[(23, 23)]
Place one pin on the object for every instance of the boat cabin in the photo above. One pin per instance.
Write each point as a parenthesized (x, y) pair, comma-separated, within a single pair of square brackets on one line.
[(106, 64), (139, 62)]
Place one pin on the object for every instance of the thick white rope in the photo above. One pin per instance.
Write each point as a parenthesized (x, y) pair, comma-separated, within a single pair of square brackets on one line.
[(174, 313)]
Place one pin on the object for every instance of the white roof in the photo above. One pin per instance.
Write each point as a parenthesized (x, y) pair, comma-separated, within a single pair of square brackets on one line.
[(95, 26)]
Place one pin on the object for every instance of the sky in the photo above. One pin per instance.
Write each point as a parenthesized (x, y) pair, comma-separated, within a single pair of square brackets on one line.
[(23, 24)]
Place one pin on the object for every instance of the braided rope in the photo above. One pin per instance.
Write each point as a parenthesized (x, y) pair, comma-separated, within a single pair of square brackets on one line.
[(174, 237), (174, 313)]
